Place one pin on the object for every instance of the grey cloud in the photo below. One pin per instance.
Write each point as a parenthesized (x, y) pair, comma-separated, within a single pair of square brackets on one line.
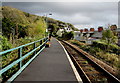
[(65, 7), (77, 13)]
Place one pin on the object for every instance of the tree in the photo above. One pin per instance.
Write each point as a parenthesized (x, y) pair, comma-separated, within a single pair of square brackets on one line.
[(109, 37), (71, 34), (68, 35)]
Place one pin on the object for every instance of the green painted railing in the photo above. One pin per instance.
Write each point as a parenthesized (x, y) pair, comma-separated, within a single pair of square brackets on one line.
[(41, 46)]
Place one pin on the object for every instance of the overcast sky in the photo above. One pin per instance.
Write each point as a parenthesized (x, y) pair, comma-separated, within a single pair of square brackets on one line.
[(80, 14)]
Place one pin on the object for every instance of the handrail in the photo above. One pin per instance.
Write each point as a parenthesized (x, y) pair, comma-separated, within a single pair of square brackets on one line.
[(19, 47), (21, 58)]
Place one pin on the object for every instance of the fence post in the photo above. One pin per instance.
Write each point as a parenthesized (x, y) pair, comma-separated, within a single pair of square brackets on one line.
[(20, 55), (34, 47), (40, 43), (44, 42)]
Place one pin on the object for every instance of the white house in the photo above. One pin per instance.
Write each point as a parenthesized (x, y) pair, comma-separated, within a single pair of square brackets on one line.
[(68, 29), (77, 35), (60, 32), (65, 29)]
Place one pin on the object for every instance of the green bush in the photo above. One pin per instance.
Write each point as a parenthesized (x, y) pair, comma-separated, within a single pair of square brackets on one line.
[(68, 35), (4, 43), (111, 58), (102, 45), (26, 14), (7, 27), (92, 51)]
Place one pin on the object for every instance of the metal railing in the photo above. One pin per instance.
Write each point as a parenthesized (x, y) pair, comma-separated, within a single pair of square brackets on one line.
[(20, 59)]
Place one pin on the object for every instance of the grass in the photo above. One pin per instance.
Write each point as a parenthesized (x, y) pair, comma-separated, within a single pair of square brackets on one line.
[(84, 62), (111, 59)]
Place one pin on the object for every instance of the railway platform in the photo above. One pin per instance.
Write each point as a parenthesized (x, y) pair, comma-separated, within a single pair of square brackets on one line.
[(52, 64)]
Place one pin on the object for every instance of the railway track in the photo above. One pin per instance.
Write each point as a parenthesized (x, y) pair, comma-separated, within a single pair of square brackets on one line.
[(89, 70)]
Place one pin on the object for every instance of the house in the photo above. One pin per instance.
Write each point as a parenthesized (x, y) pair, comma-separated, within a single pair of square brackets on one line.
[(97, 35), (113, 27), (88, 35), (68, 29), (63, 29), (77, 35), (60, 32)]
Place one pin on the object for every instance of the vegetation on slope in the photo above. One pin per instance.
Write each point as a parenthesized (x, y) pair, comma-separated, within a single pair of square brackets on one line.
[(17, 24)]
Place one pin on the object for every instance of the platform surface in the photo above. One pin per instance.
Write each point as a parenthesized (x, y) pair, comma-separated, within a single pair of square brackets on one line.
[(51, 64)]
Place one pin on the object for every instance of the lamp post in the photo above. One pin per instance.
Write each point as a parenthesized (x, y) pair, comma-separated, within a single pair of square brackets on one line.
[(46, 23), (46, 32)]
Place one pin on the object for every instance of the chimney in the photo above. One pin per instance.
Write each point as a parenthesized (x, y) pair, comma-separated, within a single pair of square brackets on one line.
[(100, 29), (85, 30), (92, 29), (81, 30)]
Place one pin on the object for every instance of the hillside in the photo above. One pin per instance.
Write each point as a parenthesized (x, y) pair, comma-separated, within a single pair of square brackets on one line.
[(17, 19), (21, 22), (19, 27)]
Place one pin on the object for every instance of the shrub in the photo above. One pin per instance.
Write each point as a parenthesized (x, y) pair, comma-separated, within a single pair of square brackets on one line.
[(102, 45), (26, 14), (7, 27), (92, 51), (99, 44), (77, 42), (109, 57), (4, 43), (68, 35)]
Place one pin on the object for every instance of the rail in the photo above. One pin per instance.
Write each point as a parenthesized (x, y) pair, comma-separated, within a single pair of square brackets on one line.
[(96, 65), (36, 50)]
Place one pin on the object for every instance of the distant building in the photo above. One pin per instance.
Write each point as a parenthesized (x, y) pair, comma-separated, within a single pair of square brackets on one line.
[(92, 29), (97, 35), (68, 29), (81, 30), (63, 29), (77, 35), (91, 32), (85, 30), (100, 29), (88, 35), (60, 32), (113, 27)]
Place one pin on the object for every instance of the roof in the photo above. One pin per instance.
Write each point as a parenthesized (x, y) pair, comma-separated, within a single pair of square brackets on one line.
[(91, 32), (118, 30), (77, 32), (97, 34)]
